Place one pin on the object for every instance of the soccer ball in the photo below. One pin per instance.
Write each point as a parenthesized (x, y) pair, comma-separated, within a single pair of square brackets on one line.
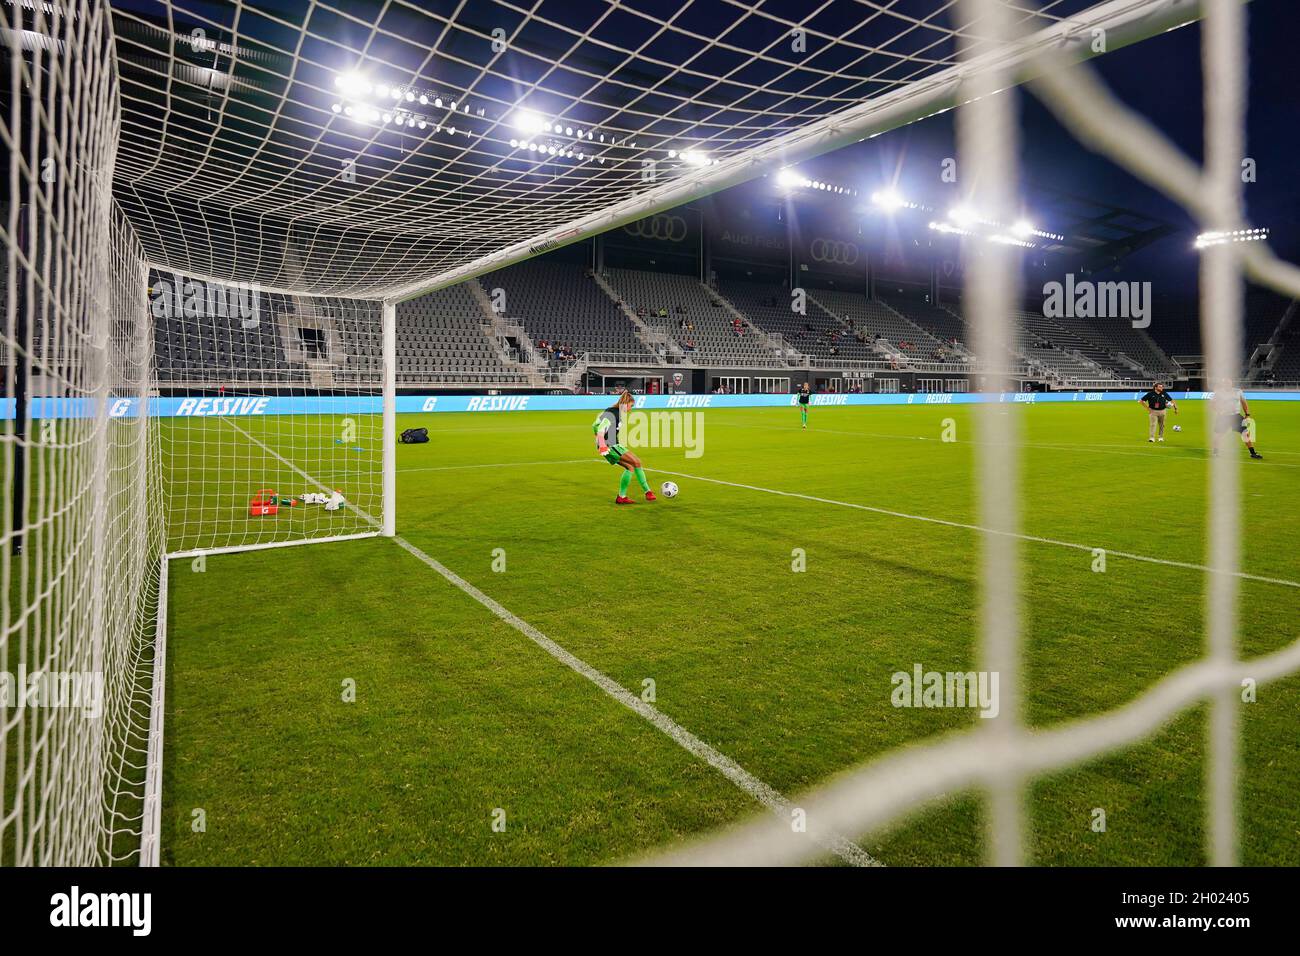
[(1178, 428), (670, 489)]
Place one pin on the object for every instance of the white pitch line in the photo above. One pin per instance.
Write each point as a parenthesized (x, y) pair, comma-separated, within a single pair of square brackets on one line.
[(974, 527), (845, 849)]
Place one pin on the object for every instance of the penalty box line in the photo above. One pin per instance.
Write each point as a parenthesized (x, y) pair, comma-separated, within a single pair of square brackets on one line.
[(974, 527), (764, 794)]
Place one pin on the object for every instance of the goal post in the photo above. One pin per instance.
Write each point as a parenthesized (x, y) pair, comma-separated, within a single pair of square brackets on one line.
[(275, 414), (389, 520)]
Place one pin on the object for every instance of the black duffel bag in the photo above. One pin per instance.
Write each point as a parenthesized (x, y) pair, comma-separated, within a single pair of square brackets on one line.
[(415, 436)]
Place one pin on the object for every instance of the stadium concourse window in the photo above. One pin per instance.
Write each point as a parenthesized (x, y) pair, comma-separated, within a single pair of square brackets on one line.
[(766, 385), (731, 385), (313, 342)]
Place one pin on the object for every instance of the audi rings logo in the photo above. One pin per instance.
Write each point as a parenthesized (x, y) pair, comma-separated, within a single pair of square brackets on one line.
[(835, 253), (663, 228)]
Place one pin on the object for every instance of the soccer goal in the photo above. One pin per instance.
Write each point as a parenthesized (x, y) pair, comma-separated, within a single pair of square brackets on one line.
[(211, 214), (270, 415)]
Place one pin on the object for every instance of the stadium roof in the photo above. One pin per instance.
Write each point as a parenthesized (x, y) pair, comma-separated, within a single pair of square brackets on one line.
[(376, 148)]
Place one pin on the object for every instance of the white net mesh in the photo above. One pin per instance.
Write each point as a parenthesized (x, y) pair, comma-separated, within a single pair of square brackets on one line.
[(364, 148), (80, 542), (265, 398), (378, 149), (1001, 759)]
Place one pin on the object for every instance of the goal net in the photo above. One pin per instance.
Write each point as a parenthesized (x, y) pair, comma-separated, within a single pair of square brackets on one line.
[(206, 205), (269, 411), (80, 532)]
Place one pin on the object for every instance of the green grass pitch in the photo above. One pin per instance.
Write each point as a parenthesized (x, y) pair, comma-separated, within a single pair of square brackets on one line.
[(460, 720)]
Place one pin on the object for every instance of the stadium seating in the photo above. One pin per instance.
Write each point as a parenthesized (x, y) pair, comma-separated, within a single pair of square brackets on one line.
[(686, 300), (1120, 337), (816, 333), (937, 321), (560, 303), (871, 318), (442, 337), (220, 351), (450, 338), (1287, 367)]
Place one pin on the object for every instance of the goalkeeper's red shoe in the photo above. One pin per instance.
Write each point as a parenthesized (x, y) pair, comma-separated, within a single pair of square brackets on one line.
[(650, 496), (623, 500)]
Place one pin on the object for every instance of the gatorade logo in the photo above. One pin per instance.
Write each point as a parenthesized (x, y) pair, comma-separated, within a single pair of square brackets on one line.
[(689, 401), (199, 407), (498, 403)]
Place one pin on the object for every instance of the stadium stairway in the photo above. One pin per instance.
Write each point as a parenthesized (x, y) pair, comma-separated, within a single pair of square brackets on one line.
[(656, 340), (857, 313), (559, 302), (528, 359), (782, 352), (685, 299), (446, 338)]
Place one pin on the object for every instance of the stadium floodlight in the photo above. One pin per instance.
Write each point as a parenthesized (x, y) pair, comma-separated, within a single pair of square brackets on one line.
[(352, 84), (524, 121), (1023, 228), (1008, 240), (949, 229), (695, 157), (888, 199), (1207, 239), (790, 179), (962, 215)]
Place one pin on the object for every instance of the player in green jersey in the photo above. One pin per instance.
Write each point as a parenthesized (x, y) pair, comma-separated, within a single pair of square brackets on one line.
[(605, 428)]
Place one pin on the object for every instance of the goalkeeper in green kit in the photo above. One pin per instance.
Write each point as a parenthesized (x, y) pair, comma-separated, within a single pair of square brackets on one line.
[(804, 398), (605, 428)]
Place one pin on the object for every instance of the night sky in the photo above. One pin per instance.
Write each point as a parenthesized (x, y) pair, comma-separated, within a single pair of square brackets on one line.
[(1160, 78)]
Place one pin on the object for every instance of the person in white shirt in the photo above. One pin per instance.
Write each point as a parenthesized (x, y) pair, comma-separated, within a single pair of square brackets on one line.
[(1232, 413)]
